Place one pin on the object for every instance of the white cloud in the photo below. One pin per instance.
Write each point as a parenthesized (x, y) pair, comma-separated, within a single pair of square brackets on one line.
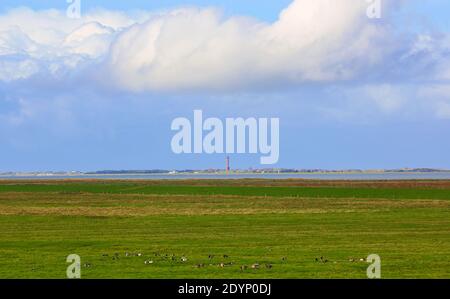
[(92, 39), (368, 103), (437, 97), (429, 54), (198, 49), (318, 40), (48, 42), (387, 98)]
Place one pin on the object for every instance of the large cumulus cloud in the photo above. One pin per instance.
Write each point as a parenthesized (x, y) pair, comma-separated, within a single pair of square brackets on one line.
[(311, 41), (48, 43), (320, 43), (193, 48)]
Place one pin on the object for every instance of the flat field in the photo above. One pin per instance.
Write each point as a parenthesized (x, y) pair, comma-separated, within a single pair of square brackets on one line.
[(220, 228)]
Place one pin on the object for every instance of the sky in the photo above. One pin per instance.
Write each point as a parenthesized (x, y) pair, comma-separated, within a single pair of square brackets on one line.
[(100, 91), (263, 9)]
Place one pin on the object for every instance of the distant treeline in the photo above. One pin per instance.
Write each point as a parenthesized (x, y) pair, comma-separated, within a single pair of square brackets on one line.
[(154, 171)]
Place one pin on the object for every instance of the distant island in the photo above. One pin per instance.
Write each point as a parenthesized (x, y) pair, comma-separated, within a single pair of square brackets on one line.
[(222, 171)]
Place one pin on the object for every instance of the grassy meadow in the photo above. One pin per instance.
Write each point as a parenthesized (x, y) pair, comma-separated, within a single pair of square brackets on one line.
[(220, 228)]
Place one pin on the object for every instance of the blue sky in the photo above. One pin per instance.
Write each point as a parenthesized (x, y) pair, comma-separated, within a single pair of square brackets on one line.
[(435, 10), (263, 9), (101, 92)]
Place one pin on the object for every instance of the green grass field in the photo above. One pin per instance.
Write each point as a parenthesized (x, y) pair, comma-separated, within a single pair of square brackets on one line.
[(284, 226)]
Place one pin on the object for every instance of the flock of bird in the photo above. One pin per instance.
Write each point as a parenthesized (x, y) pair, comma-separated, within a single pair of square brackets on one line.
[(211, 258), (184, 259), (325, 260)]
